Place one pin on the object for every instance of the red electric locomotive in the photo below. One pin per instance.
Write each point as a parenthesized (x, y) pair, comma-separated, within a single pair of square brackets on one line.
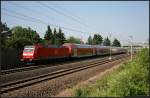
[(39, 52)]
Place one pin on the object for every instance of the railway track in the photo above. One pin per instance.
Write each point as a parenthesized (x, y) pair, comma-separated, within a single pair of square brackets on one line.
[(3, 72), (9, 71), (7, 87)]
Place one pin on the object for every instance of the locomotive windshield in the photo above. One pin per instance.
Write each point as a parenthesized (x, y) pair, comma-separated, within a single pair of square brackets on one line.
[(29, 48)]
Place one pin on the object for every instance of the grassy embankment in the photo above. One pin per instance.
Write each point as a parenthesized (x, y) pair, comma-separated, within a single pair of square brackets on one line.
[(130, 79)]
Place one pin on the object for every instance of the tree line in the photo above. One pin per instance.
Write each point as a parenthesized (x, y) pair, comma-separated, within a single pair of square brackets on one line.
[(17, 37), (98, 40)]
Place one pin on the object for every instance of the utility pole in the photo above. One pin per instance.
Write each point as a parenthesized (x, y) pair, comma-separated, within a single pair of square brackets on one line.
[(81, 40), (131, 51), (110, 48)]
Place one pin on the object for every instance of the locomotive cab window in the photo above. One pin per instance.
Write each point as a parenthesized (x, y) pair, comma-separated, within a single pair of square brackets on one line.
[(29, 49)]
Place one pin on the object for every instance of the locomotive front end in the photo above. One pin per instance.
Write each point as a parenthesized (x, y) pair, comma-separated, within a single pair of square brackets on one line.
[(28, 53)]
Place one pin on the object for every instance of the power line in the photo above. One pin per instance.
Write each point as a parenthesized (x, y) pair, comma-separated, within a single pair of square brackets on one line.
[(22, 18), (40, 21), (73, 15), (16, 22), (33, 10), (24, 15), (30, 9), (61, 13)]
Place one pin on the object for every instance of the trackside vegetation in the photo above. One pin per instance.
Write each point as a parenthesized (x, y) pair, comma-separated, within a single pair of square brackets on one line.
[(17, 37), (130, 79)]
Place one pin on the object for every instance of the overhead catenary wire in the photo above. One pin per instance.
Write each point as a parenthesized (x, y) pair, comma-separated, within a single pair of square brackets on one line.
[(71, 14), (22, 25), (33, 11), (75, 16), (20, 14), (61, 13), (28, 9), (40, 21), (22, 18)]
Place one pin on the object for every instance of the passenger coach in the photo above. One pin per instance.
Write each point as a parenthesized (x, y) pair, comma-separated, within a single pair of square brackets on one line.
[(80, 50)]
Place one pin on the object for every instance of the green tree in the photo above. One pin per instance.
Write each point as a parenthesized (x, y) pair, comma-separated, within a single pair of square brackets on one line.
[(48, 35), (18, 43), (74, 40), (97, 39), (3, 27), (21, 37), (116, 43), (34, 36), (54, 39), (61, 37), (106, 42), (90, 40), (4, 37)]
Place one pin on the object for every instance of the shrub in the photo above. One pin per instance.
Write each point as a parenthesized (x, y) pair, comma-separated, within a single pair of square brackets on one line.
[(131, 79)]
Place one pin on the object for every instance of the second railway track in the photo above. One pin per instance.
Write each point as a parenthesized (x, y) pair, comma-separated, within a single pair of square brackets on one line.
[(6, 87)]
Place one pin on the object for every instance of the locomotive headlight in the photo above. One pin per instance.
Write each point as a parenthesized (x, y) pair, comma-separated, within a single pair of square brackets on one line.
[(24, 54), (27, 54), (30, 54)]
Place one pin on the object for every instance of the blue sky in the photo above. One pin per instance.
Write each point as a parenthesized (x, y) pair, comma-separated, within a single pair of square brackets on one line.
[(121, 19)]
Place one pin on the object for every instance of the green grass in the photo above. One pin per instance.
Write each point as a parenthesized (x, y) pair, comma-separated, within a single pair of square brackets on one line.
[(130, 79)]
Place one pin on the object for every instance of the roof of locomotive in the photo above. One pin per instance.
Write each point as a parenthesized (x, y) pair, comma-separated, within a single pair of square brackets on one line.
[(29, 46), (45, 46)]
